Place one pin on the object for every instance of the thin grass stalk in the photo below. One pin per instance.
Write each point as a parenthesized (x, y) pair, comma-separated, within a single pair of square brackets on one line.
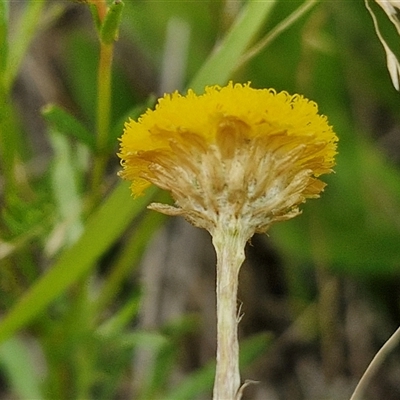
[(376, 362)]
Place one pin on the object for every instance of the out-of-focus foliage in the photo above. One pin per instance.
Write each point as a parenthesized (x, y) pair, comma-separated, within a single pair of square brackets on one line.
[(70, 297), (356, 219)]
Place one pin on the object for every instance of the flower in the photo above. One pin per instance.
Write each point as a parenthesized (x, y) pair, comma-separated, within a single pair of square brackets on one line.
[(235, 159), (234, 153)]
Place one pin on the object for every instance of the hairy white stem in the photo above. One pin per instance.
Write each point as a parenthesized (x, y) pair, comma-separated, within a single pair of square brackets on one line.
[(229, 243)]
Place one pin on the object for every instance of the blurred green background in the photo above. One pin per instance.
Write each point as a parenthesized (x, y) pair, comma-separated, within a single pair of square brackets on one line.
[(102, 299)]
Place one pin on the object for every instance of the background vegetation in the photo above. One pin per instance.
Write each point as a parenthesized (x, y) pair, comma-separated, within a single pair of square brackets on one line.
[(102, 299)]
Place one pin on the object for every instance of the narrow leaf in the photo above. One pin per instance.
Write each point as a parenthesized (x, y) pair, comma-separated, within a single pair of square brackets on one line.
[(223, 61), (29, 24), (65, 123), (115, 324), (4, 12), (110, 27), (95, 16)]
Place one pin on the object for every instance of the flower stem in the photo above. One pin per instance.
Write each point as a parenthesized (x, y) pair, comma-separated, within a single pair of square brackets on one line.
[(376, 362), (229, 246), (103, 105), (101, 6)]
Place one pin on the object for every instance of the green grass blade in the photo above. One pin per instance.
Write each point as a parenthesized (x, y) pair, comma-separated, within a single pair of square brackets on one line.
[(29, 24), (4, 12), (222, 62), (102, 229), (16, 360), (116, 324), (128, 258)]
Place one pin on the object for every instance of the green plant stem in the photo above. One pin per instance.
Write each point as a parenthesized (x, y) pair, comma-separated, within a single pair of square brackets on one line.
[(104, 93), (229, 242), (101, 7), (376, 362), (103, 115), (103, 105)]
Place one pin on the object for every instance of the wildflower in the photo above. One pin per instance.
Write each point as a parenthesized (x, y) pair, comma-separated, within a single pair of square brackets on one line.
[(235, 160), (254, 154)]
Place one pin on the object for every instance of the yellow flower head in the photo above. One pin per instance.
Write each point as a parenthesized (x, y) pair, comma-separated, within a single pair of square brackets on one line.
[(234, 152)]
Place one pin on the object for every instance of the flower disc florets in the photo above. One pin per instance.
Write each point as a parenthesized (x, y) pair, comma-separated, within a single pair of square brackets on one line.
[(234, 152)]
